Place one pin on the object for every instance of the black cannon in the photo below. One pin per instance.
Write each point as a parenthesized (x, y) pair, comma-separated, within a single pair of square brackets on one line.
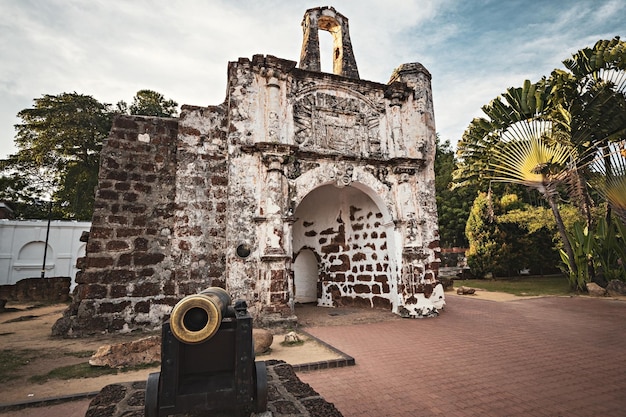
[(207, 360)]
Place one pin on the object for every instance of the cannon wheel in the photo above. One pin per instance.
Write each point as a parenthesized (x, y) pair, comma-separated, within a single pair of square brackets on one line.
[(261, 387), (152, 395)]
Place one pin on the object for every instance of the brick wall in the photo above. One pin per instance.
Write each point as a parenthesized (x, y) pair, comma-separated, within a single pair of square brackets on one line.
[(37, 289), (127, 268)]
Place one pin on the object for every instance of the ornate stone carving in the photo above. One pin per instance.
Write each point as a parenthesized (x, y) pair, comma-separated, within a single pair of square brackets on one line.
[(348, 125), (411, 227), (292, 168), (342, 173)]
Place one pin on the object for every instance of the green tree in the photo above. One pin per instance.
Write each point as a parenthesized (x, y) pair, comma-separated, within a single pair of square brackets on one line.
[(511, 145), (547, 134), (483, 234), (532, 232), (149, 103), (59, 142), (453, 205)]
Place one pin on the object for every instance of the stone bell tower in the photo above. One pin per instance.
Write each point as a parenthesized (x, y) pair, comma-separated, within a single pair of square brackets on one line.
[(326, 18), (301, 187)]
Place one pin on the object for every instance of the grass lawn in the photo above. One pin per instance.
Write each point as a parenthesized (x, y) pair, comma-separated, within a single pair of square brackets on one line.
[(531, 285)]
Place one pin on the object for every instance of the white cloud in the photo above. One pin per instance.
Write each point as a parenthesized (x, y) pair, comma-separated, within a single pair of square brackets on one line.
[(112, 48)]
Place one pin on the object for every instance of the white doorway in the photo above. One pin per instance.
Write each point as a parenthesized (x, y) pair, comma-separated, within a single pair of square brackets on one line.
[(305, 276)]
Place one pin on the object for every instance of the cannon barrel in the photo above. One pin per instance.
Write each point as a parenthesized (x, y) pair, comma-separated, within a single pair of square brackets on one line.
[(196, 318)]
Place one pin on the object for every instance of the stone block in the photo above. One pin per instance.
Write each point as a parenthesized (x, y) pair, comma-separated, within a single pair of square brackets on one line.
[(262, 340), (616, 288), (122, 355), (465, 290), (145, 259), (595, 290), (99, 262)]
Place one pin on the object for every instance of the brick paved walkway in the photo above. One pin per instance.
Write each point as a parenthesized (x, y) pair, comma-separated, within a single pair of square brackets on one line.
[(536, 357)]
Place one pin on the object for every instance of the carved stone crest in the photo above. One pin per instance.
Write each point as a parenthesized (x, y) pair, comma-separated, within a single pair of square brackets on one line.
[(349, 125)]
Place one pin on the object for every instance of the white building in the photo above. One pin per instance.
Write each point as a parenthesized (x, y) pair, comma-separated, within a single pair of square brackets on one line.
[(22, 244)]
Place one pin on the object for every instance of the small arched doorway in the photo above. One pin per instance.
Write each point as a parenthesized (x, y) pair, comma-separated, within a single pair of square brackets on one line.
[(305, 277)]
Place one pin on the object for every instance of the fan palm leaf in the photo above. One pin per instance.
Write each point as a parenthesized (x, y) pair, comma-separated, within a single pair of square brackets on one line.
[(531, 162), (608, 177)]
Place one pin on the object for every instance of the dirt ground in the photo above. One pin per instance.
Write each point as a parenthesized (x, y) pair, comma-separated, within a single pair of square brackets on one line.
[(27, 327)]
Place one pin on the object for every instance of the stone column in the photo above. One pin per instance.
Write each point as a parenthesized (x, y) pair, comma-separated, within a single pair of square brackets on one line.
[(274, 224), (396, 93), (273, 108), (417, 79)]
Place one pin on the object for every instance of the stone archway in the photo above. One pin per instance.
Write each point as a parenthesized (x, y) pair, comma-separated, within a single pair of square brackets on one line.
[(344, 230)]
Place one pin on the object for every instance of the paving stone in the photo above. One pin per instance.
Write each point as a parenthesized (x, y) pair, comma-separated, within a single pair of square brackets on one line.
[(533, 357)]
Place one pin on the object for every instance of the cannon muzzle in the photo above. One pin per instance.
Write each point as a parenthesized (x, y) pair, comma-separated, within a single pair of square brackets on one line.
[(197, 317)]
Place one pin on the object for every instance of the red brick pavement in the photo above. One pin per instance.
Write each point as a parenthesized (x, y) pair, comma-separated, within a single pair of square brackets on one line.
[(537, 357)]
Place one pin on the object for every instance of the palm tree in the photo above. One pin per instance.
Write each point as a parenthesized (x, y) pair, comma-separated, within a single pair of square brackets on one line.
[(515, 145), (557, 130), (589, 106), (608, 177)]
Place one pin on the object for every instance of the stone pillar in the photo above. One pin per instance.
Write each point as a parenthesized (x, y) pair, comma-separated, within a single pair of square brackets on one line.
[(397, 94), (275, 268), (418, 79), (272, 105)]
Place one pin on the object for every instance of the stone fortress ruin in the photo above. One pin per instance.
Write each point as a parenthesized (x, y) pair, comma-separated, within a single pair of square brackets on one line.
[(302, 186)]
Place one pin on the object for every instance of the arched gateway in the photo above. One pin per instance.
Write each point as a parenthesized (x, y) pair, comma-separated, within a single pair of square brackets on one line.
[(301, 185)]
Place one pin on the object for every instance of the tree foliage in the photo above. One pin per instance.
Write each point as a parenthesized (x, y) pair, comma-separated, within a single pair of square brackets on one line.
[(508, 235), (149, 103), (453, 206), (483, 236), (59, 141), (547, 134)]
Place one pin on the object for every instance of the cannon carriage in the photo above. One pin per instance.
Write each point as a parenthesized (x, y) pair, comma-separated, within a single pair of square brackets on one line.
[(207, 360)]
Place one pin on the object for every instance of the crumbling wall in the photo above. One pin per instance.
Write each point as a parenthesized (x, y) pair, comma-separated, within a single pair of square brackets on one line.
[(54, 289), (126, 278)]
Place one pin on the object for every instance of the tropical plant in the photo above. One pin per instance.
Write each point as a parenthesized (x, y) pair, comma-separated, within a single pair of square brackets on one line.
[(581, 257), (513, 146), (547, 135), (604, 248), (607, 176), (610, 250)]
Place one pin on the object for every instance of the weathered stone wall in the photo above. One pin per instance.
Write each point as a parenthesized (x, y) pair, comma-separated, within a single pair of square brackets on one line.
[(230, 195), (327, 18), (126, 278), (37, 289), (199, 237)]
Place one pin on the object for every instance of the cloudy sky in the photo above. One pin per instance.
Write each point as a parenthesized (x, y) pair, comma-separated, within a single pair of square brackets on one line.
[(110, 49)]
